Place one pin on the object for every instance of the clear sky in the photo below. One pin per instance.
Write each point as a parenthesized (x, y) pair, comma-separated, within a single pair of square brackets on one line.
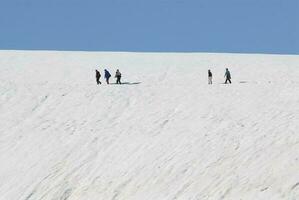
[(245, 26)]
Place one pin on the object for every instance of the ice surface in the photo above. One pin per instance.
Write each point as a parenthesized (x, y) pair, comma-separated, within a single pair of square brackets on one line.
[(167, 135)]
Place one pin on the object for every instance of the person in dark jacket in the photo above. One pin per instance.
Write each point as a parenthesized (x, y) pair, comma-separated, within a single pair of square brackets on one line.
[(98, 76), (228, 76), (107, 75), (118, 77), (210, 76)]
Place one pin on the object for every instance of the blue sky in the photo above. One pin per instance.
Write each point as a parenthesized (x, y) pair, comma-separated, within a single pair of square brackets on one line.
[(243, 26)]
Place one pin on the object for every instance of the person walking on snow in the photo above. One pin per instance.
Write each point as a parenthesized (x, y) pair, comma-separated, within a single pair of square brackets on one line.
[(98, 76), (210, 76), (107, 75), (228, 76), (118, 77)]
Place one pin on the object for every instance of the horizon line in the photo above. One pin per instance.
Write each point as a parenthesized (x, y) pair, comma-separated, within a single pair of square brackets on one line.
[(162, 52)]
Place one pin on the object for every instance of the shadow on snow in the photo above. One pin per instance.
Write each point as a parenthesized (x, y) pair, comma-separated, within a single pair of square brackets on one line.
[(126, 83)]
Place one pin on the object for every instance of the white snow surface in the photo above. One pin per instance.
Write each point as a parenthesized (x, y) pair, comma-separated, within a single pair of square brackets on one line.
[(165, 134)]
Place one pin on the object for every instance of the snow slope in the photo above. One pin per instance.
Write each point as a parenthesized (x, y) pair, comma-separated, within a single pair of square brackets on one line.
[(164, 135)]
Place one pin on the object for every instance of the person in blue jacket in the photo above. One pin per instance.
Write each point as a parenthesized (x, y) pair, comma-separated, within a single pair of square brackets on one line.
[(107, 75), (228, 76)]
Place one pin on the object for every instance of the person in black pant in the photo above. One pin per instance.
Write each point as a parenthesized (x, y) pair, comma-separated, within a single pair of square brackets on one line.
[(118, 77), (228, 76), (98, 76), (210, 76)]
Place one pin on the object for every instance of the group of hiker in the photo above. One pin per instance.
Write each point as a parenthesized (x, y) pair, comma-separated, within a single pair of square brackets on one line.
[(107, 76), (226, 75)]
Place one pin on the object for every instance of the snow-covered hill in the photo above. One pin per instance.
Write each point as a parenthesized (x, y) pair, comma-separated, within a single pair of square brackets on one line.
[(165, 134)]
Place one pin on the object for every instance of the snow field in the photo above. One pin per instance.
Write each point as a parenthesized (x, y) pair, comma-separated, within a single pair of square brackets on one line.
[(166, 134)]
